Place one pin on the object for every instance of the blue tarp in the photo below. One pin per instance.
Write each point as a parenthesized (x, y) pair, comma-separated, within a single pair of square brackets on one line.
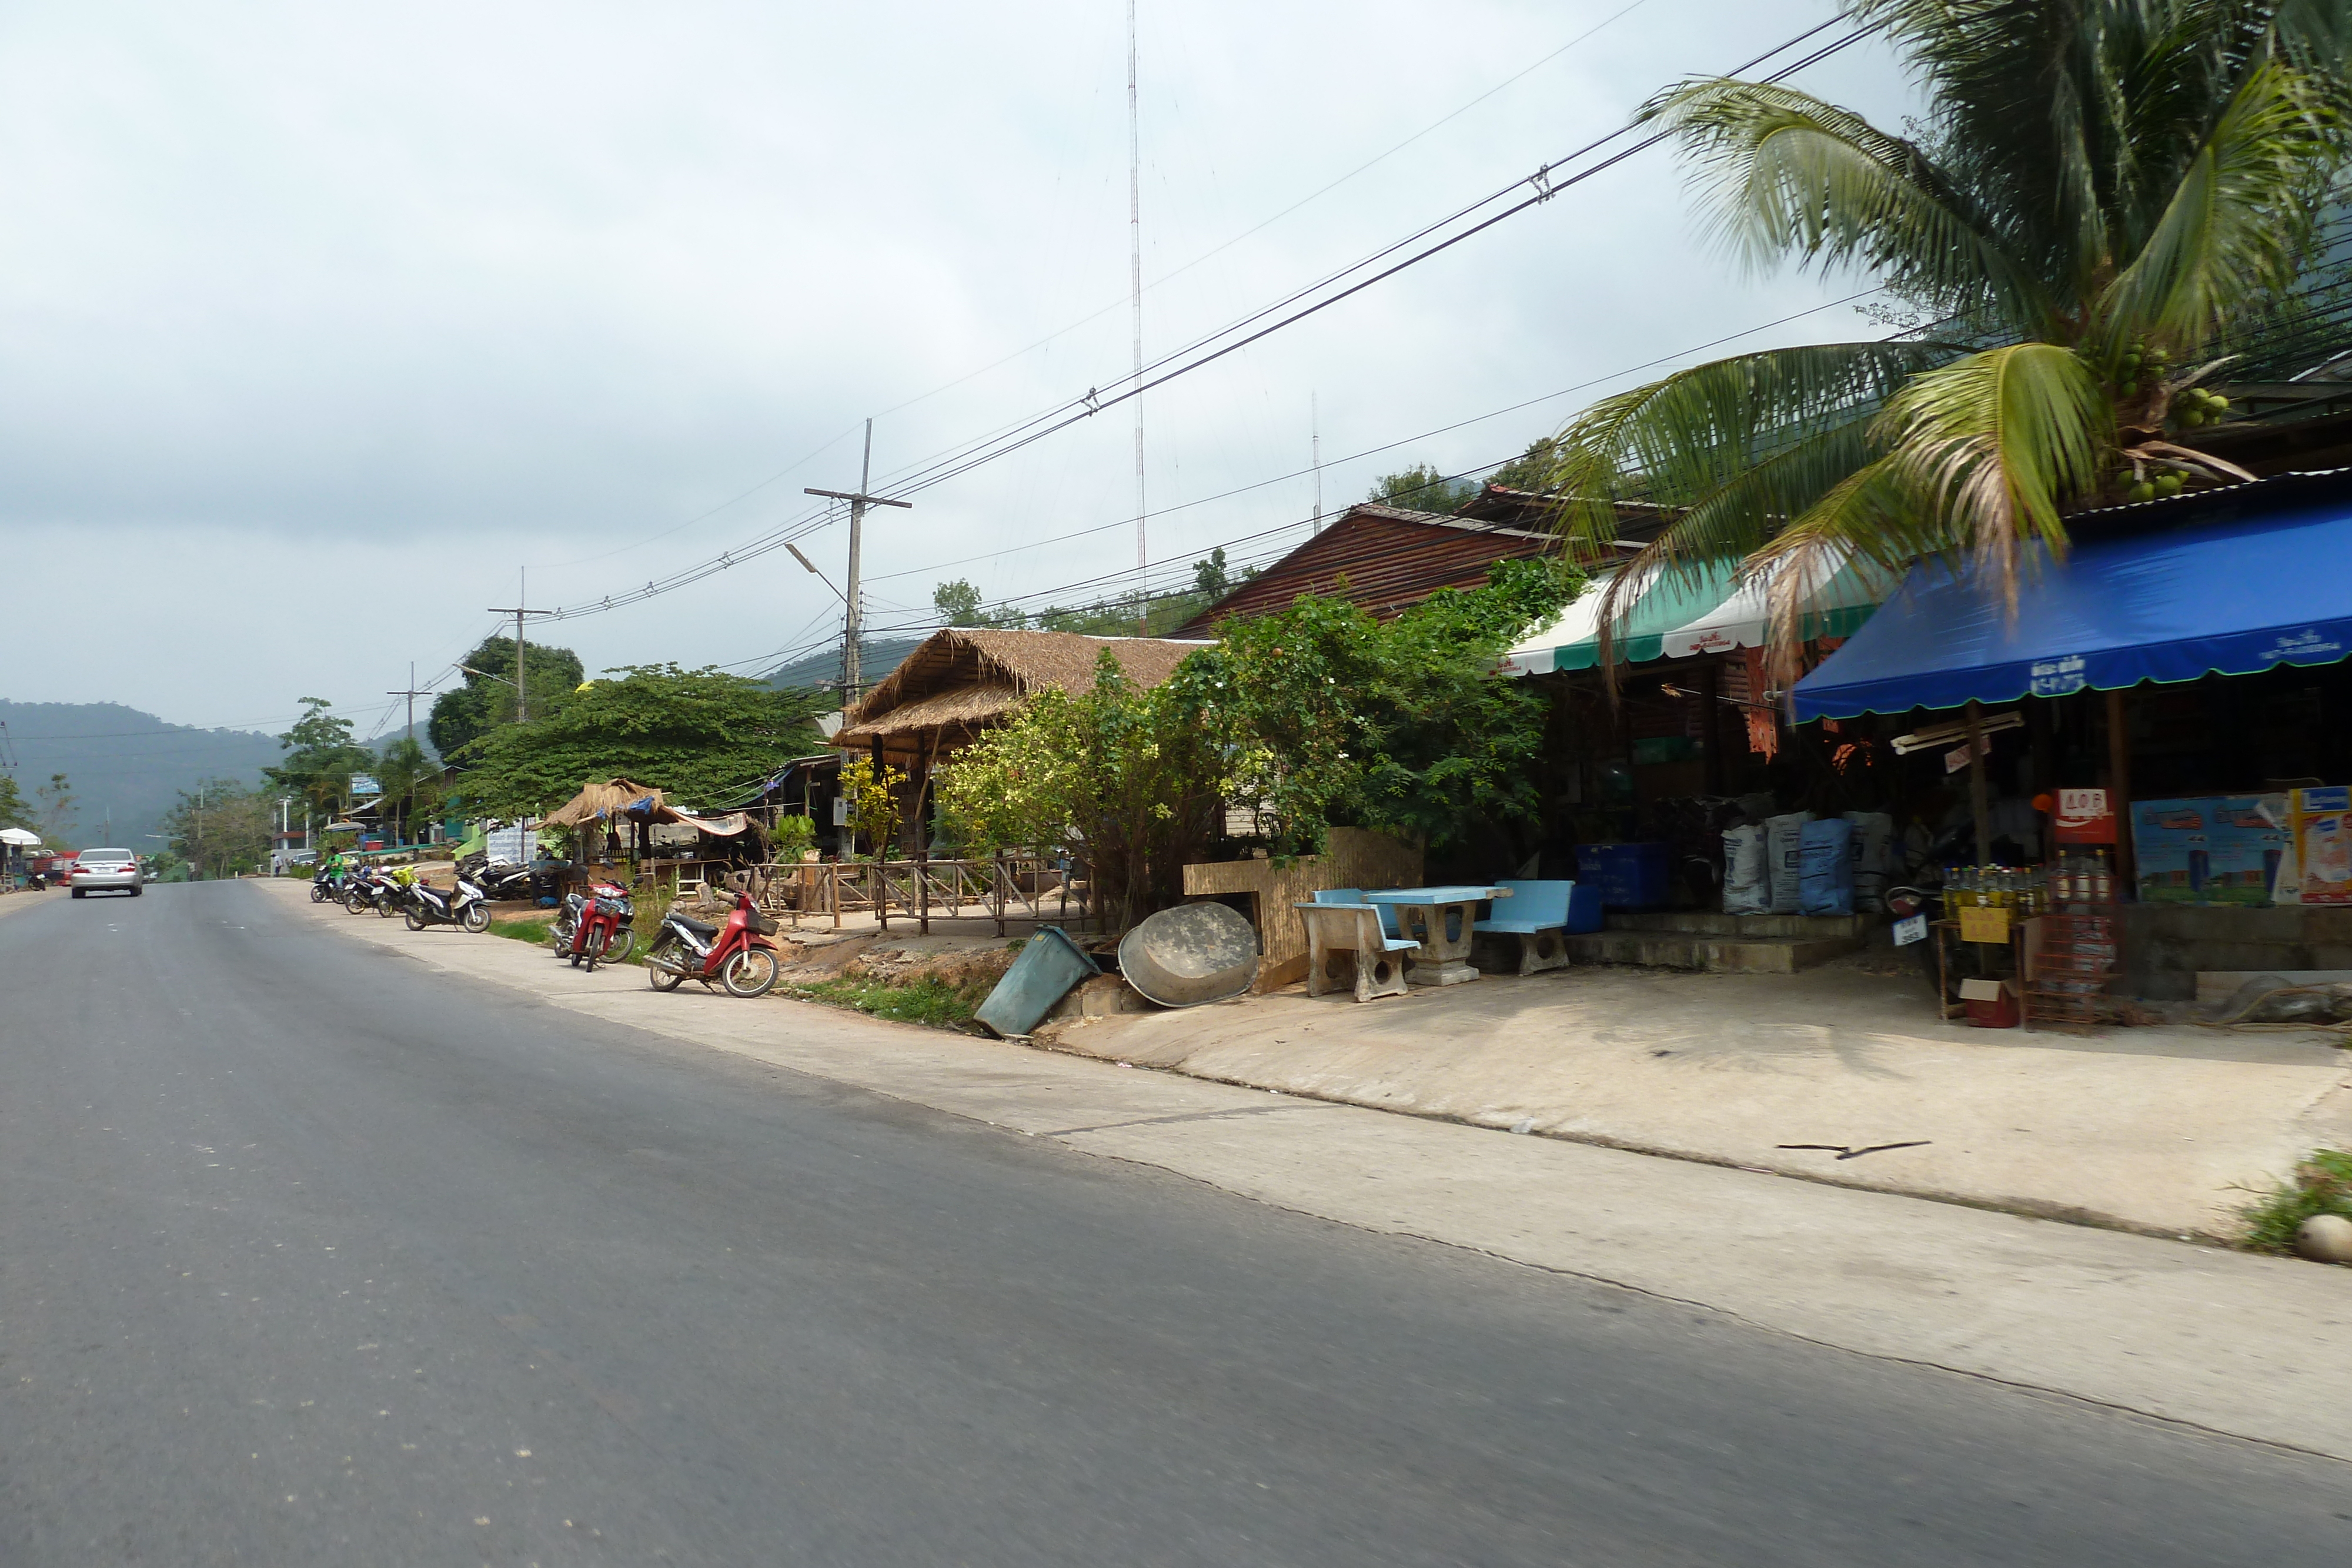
[(2264, 588)]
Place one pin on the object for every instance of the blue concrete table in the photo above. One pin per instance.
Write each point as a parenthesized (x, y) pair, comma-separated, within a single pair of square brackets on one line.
[(1439, 919)]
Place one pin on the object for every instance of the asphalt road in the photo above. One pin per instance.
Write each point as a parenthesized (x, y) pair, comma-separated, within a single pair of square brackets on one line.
[(309, 1256)]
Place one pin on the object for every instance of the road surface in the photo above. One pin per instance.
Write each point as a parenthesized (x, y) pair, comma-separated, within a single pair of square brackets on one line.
[(309, 1255)]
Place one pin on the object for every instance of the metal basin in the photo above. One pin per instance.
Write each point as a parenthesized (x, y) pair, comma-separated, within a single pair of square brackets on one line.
[(1193, 954)]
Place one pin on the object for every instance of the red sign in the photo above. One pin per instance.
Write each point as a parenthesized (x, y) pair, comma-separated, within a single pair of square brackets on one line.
[(2084, 818)]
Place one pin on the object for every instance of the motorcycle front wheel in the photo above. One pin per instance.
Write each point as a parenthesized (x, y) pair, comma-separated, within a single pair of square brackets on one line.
[(750, 973), (477, 918), (318, 893), (624, 942), (353, 902), (415, 921)]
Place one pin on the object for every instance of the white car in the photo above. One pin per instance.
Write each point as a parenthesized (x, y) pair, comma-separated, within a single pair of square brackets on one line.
[(101, 869)]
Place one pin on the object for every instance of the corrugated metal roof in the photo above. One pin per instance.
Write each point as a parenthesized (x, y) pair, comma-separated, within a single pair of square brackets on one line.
[(1385, 559)]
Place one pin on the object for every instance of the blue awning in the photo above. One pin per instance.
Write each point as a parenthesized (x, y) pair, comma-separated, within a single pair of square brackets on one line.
[(2270, 584)]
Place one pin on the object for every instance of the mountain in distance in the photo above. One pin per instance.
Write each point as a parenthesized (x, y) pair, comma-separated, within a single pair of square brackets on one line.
[(877, 657), (127, 767)]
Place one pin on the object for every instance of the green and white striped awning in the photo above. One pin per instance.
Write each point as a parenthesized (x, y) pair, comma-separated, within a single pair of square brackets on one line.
[(1708, 610)]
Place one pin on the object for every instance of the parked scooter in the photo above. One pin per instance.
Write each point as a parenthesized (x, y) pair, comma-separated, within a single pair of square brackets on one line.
[(739, 955), (500, 881), (370, 888), (594, 927), (323, 888), (462, 905)]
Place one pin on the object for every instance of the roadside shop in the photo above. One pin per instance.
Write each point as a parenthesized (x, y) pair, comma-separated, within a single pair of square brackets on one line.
[(2154, 738)]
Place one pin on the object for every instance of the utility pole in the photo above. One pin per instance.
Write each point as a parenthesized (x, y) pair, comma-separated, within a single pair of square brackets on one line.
[(412, 694), (1134, 290), (522, 693), (851, 673)]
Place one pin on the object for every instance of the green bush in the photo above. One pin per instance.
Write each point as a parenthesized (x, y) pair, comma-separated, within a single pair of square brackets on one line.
[(2322, 1184)]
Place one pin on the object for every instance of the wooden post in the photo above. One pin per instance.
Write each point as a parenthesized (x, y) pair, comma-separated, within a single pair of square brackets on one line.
[(1978, 805), (1710, 729), (2119, 790)]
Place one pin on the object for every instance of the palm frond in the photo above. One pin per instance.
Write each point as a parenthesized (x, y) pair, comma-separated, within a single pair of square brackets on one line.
[(1872, 519), (1698, 437), (1789, 174), (1992, 446), (2239, 220)]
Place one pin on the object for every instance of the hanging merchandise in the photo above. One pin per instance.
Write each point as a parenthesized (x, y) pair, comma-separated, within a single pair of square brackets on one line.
[(1763, 722)]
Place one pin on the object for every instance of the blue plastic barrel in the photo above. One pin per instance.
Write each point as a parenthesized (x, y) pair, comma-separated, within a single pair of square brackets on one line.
[(1631, 876), (1047, 969)]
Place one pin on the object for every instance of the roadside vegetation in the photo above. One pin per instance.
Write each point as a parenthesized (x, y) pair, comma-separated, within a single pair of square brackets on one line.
[(2322, 1184), (924, 1000)]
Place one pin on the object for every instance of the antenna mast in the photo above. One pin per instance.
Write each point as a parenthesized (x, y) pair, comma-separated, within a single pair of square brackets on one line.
[(1135, 288)]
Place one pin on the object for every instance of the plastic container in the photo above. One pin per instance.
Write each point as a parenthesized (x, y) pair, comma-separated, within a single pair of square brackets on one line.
[(1048, 969), (1630, 876)]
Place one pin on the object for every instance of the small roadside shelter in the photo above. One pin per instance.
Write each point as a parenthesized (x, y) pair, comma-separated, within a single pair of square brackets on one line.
[(964, 680)]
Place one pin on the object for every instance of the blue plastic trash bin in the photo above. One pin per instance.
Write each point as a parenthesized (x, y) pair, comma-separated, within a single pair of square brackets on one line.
[(1049, 966), (1630, 876)]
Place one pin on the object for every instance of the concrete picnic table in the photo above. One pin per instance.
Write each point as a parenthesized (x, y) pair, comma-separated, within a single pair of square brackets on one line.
[(1439, 919)]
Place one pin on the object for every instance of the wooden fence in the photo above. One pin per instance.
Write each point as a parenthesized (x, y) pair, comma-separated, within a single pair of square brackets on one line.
[(1018, 885)]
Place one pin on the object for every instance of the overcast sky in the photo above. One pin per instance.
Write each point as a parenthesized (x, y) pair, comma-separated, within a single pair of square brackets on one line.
[(322, 322)]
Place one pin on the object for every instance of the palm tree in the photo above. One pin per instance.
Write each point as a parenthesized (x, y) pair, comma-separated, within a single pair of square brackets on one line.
[(2099, 190)]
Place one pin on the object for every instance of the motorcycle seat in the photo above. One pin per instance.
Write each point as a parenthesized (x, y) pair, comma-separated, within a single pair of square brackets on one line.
[(700, 928)]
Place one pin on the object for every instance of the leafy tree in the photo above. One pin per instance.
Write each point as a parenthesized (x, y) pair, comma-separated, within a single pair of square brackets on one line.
[(15, 812), (874, 810), (1134, 777), (1322, 713), (958, 603), (1421, 489), (700, 734), (55, 814), (1402, 726), (2097, 193), (412, 784), (321, 758), (223, 826), (1532, 469), (462, 715)]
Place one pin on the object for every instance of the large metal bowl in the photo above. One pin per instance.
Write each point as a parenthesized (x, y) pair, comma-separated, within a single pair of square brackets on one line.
[(1193, 954)]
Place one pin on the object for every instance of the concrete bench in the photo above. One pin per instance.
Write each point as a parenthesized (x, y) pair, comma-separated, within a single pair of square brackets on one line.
[(1340, 921), (1541, 916)]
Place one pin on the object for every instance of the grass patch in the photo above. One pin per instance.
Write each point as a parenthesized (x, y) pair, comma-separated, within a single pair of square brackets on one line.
[(2322, 1184), (522, 927), (923, 1001)]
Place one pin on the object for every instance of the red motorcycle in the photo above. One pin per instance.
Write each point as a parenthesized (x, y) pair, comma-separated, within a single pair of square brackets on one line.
[(594, 927), (739, 955)]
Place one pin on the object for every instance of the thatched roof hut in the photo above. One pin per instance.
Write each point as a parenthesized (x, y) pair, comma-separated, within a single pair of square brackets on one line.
[(964, 679), (608, 801)]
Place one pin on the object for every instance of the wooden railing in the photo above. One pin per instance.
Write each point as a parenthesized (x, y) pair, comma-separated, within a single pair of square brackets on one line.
[(1018, 885)]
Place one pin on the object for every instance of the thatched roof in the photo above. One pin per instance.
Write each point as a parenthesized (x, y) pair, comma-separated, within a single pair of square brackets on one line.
[(606, 800), (970, 676)]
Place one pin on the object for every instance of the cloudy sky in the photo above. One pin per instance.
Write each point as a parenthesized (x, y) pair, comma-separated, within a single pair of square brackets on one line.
[(322, 324)]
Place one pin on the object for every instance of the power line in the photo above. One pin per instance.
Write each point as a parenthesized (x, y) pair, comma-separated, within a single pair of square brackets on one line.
[(1547, 185)]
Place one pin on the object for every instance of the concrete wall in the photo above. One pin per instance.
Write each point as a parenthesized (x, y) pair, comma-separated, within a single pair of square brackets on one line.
[(2166, 945)]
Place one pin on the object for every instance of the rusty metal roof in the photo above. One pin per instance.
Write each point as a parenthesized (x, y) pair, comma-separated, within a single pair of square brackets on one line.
[(1385, 559)]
